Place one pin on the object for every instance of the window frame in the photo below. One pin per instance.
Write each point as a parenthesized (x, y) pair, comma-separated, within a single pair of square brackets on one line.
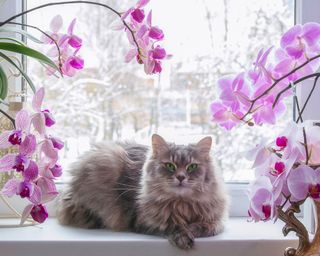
[(237, 191)]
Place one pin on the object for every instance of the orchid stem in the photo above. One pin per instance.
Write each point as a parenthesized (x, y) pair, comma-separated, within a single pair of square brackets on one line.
[(47, 35), (73, 2), (309, 96), (276, 82)]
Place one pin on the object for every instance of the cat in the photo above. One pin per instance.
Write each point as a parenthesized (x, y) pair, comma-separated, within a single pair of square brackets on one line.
[(168, 190)]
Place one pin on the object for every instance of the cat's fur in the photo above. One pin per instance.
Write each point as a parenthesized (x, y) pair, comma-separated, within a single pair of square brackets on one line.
[(125, 186)]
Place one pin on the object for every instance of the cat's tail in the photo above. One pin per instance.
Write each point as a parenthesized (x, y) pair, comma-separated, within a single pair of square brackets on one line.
[(69, 213)]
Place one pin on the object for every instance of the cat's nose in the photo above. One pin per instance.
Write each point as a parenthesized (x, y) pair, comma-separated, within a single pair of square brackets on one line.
[(181, 177)]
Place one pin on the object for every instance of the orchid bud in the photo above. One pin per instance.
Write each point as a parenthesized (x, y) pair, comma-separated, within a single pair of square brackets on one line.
[(282, 141)]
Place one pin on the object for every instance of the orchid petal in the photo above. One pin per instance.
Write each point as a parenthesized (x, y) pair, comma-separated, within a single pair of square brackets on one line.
[(36, 196), (117, 25), (38, 121), (75, 41), (10, 188), (71, 26), (311, 33), (290, 36), (131, 54), (4, 139), (7, 162), (142, 3), (22, 120), (56, 23), (125, 14), (149, 18), (26, 213), (28, 146), (298, 181), (31, 173), (37, 99)]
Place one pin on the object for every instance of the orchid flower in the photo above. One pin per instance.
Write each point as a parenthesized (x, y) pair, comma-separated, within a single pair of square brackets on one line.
[(144, 39), (303, 182), (234, 92), (69, 45), (263, 199), (224, 116), (301, 41), (32, 141)]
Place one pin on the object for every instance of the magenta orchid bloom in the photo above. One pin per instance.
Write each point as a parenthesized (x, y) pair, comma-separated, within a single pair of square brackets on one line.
[(30, 137), (146, 35), (69, 45)]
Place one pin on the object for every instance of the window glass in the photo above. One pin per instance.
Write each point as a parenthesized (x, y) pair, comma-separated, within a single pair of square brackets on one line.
[(112, 100)]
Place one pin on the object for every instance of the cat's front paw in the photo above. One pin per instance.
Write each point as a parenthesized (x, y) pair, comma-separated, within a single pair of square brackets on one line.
[(182, 240)]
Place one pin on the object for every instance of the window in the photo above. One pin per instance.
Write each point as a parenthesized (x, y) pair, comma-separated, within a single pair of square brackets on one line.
[(111, 100)]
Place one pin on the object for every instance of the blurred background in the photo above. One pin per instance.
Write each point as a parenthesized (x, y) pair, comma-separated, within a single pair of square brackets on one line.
[(112, 100)]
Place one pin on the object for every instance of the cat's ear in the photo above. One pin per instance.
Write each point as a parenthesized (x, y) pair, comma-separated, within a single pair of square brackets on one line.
[(204, 145), (158, 144)]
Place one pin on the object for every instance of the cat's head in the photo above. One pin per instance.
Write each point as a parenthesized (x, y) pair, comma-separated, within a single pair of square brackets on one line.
[(178, 170)]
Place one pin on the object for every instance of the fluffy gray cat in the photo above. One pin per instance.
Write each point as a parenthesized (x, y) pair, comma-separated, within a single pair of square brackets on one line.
[(169, 190)]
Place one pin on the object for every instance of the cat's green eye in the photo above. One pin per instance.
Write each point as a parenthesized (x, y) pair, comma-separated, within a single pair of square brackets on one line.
[(170, 167), (192, 167)]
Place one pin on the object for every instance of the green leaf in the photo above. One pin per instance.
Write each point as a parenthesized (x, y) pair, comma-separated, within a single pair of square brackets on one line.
[(21, 71), (12, 39), (21, 32), (3, 84), (25, 50)]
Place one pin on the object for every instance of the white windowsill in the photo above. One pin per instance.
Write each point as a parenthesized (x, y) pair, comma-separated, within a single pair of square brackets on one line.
[(50, 239)]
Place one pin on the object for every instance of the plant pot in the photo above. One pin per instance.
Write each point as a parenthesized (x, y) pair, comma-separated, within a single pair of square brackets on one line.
[(314, 246)]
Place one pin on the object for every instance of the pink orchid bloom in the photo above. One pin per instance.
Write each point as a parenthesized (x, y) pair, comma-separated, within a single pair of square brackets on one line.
[(302, 40), (294, 146), (260, 71), (70, 61), (265, 113), (73, 40), (285, 64), (224, 116), (41, 118), (138, 15), (263, 199), (145, 36), (37, 211), (303, 182), (23, 188), (19, 161), (10, 138), (55, 26), (234, 92)]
